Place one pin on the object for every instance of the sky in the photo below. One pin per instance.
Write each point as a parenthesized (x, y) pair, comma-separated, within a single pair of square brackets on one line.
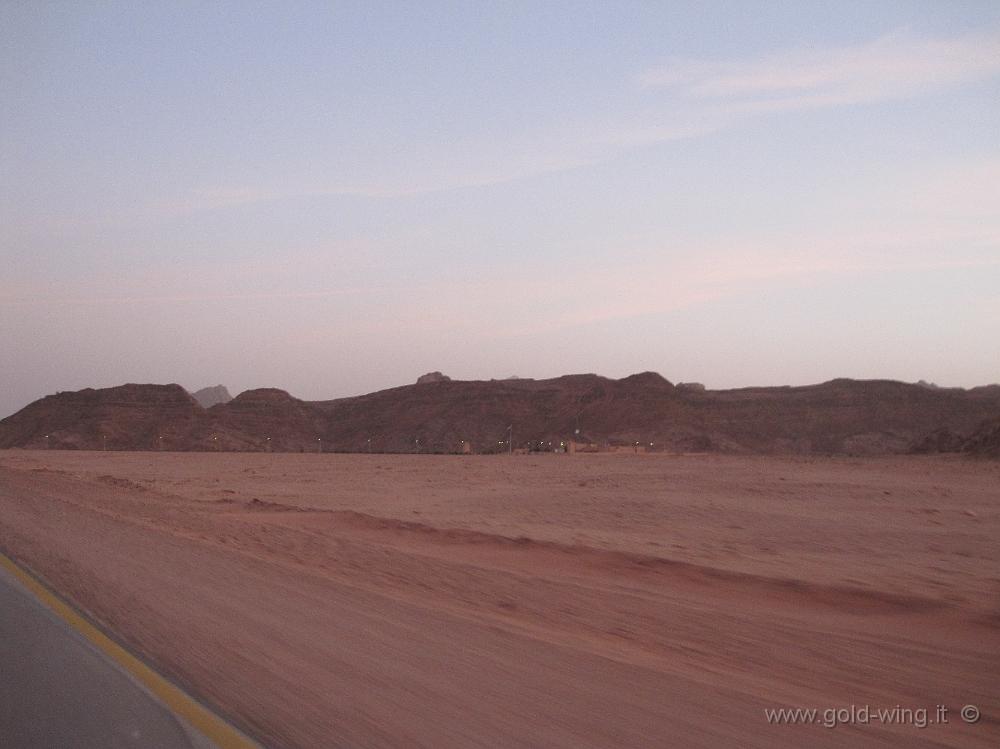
[(334, 198)]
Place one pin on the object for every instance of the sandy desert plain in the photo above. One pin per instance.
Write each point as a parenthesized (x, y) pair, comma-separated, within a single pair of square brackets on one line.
[(534, 601)]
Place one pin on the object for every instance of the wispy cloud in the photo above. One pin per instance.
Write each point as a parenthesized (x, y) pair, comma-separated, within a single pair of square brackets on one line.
[(655, 287), (707, 96), (897, 65), (644, 276), (176, 298)]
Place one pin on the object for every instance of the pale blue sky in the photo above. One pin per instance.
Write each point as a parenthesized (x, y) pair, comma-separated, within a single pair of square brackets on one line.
[(335, 198)]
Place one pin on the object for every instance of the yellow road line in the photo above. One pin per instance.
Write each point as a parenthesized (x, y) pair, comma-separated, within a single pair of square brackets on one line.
[(199, 717)]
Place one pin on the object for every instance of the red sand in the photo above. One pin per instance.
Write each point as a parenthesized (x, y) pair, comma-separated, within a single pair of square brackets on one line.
[(605, 601)]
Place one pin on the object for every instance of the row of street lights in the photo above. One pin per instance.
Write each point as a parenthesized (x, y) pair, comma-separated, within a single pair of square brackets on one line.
[(319, 442)]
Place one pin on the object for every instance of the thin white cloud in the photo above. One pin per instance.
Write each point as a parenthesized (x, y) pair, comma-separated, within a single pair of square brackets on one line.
[(897, 65), (709, 96), (658, 287), (179, 298)]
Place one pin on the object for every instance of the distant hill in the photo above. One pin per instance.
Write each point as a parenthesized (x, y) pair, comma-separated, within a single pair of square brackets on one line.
[(985, 441), (210, 396), (866, 417), (124, 417), (432, 377)]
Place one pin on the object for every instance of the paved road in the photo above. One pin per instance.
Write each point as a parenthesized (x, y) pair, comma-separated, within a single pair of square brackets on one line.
[(57, 690)]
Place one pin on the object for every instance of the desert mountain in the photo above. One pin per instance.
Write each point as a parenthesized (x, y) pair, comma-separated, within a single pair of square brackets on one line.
[(843, 416), (985, 441), (210, 396), (128, 416), (432, 377)]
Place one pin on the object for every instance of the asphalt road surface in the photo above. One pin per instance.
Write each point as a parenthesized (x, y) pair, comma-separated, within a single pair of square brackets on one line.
[(58, 690)]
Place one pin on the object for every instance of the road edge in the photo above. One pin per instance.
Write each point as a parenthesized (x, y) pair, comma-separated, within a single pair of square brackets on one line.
[(196, 715)]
